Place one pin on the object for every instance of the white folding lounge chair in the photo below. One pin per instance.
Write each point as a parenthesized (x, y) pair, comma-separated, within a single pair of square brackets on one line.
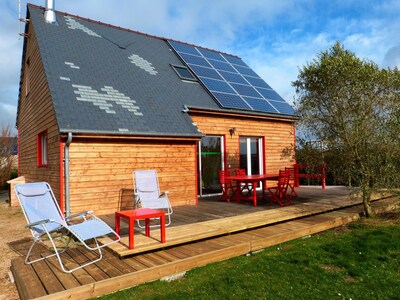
[(46, 221), (147, 194)]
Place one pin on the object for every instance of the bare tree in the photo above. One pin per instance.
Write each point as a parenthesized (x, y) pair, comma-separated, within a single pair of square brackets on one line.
[(7, 142), (354, 107)]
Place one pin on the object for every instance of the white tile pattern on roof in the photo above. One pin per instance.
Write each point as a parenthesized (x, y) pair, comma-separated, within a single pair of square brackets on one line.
[(101, 100), (143, 64), (72, 65), (73, 24)]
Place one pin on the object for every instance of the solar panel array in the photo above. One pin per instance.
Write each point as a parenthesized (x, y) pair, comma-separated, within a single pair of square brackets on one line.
[(232, 83)]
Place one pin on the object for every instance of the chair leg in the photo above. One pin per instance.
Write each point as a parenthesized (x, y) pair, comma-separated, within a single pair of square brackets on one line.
[(57, 254), (285, 198), (280, 196), (100, 256), (225, 194), (292, 191), (275, 199), (167, 222), (28, 262)]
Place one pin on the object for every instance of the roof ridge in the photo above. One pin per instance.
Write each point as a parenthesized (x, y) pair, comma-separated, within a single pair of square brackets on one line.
[(131, 30)]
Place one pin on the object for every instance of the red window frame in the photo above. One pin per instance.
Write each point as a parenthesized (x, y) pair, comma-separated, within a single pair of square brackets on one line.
[(42, 149)]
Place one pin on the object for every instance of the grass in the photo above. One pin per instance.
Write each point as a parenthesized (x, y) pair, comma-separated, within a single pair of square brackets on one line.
[(360, 261)]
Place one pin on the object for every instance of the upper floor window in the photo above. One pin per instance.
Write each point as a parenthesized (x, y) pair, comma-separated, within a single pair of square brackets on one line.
[(42, 147), (184, 73)]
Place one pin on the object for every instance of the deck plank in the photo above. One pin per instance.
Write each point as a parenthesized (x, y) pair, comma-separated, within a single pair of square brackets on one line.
[(96, 273), (67, 281)]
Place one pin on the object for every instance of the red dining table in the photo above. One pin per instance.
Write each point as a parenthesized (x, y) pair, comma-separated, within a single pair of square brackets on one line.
[(251, 179)]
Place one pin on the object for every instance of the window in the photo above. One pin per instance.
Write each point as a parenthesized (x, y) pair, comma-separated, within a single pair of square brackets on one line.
[(251, 155), (42, 153), (184, 73)]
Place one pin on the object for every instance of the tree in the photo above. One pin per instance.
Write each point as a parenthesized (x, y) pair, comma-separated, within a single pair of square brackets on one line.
[(6, 154), (354, 107)]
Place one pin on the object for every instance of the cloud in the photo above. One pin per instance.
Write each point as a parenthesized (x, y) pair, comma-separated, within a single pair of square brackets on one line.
[(8, 116), (276, 38), (10, 61), (392, 57)]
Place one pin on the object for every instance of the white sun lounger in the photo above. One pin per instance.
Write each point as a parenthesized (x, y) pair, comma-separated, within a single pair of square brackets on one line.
[(147, 194), (46, 221)]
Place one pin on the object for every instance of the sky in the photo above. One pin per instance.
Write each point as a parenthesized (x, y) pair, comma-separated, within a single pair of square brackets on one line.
[(275, 38)]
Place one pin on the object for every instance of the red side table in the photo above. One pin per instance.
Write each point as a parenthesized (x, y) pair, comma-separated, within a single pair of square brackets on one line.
[(140, 214)]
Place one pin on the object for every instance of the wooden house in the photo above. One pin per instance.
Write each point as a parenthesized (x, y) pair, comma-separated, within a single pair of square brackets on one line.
[(97, 102)]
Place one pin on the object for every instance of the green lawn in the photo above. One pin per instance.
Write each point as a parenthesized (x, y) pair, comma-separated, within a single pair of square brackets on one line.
[(361, 261)]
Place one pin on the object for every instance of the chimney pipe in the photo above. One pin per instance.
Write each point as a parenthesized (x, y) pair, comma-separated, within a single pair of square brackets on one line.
[(49, 14)]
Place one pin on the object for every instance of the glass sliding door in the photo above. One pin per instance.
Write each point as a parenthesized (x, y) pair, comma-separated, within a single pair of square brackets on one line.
[(210, 162), (251, 156)]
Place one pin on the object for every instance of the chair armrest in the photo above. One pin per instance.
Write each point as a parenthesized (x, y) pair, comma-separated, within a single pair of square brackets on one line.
[(164, 194), (39, 223), (81, 214)]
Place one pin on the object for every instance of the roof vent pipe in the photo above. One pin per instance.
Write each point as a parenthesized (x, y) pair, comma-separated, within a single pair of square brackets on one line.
[(49, 14)]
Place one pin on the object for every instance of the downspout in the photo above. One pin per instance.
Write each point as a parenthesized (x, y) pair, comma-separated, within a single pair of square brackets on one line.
[(66, 174)]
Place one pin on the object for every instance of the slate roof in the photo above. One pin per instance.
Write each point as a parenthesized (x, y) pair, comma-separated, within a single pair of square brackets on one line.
[(107, 80)]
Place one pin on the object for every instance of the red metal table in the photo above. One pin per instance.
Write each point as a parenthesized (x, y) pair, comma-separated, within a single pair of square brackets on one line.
[(140, 214), (254, 180)]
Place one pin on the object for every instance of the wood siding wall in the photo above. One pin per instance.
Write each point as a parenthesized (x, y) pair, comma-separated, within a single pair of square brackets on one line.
[(277, 136), (101, 172), (36, 114)]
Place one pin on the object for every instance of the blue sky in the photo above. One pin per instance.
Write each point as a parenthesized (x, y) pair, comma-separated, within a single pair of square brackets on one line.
[(275, 38)]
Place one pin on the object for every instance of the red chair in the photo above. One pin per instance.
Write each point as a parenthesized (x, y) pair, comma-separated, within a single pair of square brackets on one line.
[(226, 186), (245, 189), (292, 178), (240, 172), (279, 193)]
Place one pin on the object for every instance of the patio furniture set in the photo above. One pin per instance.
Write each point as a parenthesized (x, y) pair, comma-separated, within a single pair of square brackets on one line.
[(46, 221), (240, 186)]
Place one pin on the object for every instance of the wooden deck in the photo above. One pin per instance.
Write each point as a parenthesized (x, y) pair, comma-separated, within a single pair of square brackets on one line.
[(209, 232), (214, 218)]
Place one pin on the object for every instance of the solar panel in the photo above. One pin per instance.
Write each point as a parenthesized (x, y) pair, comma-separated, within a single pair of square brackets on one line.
[(245, 90), (282, 107), (205, 72), (183, 48), (233, 77), (219, 65), (260, 104), (211, 54), (232, 83), (217, 85), (234, 60), (246, 71), (270, 94), (230, 100), (257, 81), (196, 60)]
